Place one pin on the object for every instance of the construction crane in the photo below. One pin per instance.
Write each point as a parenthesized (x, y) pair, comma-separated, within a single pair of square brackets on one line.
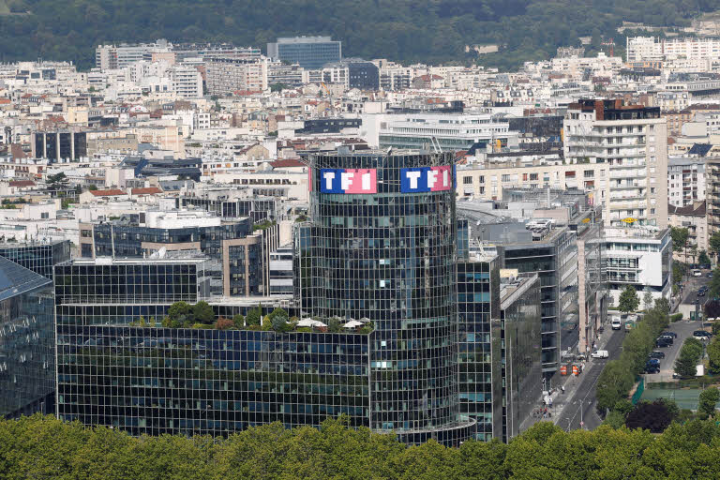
[(328, 92)]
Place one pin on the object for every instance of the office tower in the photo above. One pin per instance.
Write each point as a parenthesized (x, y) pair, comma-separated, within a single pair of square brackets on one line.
[(311, 53), (381, 246), (632, 140), (27, 341)]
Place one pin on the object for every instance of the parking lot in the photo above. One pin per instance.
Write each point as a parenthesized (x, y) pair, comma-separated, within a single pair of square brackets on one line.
[(683, 329)]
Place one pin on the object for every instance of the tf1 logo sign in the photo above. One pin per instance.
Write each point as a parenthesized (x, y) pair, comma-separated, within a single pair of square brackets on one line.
[(346, 180), (426, 179)]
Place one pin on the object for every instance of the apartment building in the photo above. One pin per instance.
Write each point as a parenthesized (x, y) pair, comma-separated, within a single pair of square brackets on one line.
[(712, 179), (226, 75), (695, 219), (686, 181), (641, 49), (632, 141), (186, 81)]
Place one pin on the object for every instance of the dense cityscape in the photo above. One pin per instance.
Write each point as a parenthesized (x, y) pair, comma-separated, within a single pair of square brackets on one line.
[(258, 260)]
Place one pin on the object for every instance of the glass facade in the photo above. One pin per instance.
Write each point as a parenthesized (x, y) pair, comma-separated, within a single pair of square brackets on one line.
[(555, 260), (388, 255), (521, 352), (480, 380), (27, 341), (310, 55), (121, 240), (153, 380), (38, 257)]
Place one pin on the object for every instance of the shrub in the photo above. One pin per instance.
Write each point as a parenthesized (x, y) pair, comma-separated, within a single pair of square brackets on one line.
[(676, 318)]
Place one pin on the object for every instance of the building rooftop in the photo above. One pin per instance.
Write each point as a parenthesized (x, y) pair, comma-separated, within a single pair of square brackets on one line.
[(16, 279)]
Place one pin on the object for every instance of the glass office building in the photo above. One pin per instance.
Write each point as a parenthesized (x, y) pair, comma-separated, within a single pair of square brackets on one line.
[(480, 380), (40, 257), (155, 380), (27, 341), (238, 258), (311, 53), (381, 246)]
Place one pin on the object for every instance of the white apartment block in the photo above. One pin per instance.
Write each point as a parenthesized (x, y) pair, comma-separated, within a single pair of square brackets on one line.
[(641, 257), (649, 48), (632, 141), (227, 75), (187, 82), (686, 181)]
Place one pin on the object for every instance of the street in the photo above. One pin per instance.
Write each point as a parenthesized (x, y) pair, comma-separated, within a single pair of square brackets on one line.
[(581, 389)]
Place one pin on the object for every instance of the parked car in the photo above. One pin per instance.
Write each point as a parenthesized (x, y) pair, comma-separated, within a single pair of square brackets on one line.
[(710, 275), (616, 323), (669, 334), (705, 266), (696, 273), (702, 335), (652, 366), (600, 354), (663, 342), (658, 355)]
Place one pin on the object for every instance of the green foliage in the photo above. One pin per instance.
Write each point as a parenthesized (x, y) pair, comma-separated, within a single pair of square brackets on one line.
[(239, 321), (704, 258), (629, 300), (618, 377), (44, 447), (713, 351), (178, 310), (690, 353), (334, 325), (676, 317), (678, 271), (277, 87), (715, 243), (279, 322), (203, 313), (265, 224), (679, 238), (714, 285), (224, 324), (254, 316), (708, 400), (663, 305)]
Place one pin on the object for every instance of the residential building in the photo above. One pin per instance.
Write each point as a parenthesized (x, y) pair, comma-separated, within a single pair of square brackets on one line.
[(311, 53), (712, 179), (281, 273), (686, 181), (187, 82), (632, 141), (640, 257), (227, 75), (27, 344), (641, 49), (694, 218)]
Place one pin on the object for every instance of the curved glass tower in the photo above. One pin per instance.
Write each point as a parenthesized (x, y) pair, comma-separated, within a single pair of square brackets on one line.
[(381, 246)]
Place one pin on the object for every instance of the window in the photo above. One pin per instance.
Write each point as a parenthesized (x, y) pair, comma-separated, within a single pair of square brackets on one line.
[(589, 173), (467, 181), (506, 178)]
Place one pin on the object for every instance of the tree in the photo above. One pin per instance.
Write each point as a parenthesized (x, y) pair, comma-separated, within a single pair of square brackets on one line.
[(704, 259), (654, 416), (715, 243), (714, 286), (629, 301), (708, 400), (279, 313), (662, 305), (679, 238), (254, 317), (277, 87), (279, 322), (334, 325), (713, 351), (204, 313), (239, 321), (57, 181), (223, 323), (678, 272), (179, 309), (690, 353), (647, 299)]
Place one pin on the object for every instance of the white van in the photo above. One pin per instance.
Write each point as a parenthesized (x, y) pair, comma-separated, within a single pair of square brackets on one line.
[(616, 323), (600, 354), (696, 273)]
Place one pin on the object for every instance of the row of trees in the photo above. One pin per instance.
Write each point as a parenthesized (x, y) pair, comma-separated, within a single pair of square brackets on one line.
[(45, 448), (618, 376)]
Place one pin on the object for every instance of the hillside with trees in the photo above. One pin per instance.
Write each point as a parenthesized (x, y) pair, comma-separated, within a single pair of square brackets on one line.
[(45, 448), (431, 31)]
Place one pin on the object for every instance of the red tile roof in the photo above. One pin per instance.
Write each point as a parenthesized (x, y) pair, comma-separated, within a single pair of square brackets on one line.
[(146, 191), (290, 162), (107, 193), (22, 183)]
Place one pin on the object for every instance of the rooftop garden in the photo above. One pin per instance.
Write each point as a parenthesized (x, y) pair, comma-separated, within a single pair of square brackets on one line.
[(202, 316)]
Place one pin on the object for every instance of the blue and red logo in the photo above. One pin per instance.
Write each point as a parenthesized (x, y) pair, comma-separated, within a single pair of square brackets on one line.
[(345, 180), (426, 179)]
